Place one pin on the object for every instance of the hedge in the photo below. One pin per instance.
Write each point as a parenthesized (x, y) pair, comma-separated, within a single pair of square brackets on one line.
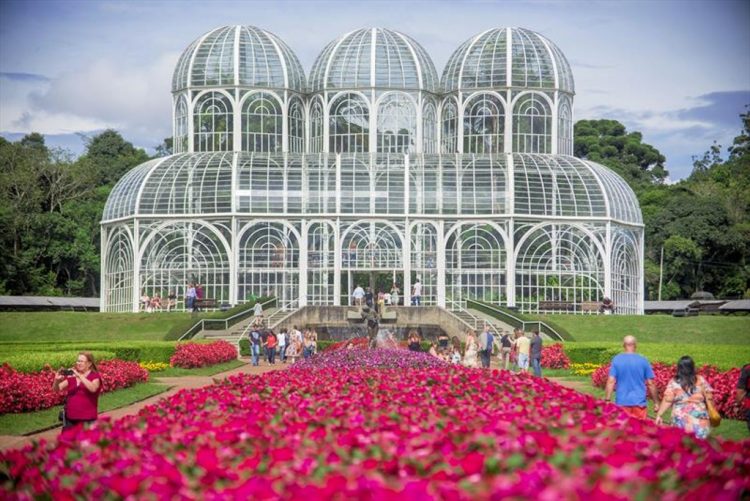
[(36, 361)]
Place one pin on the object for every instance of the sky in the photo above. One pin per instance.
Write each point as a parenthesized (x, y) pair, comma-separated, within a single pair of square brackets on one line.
[(677, 71)]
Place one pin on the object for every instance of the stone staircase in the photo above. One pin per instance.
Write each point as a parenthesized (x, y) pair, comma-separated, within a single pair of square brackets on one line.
[(235, 332)]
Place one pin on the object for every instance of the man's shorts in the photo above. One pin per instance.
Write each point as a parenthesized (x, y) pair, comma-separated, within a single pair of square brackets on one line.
[(637, 412), (523, 361)]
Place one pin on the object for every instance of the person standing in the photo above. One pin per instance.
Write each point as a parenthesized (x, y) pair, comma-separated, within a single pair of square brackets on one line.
[(394, 295), (271, 343), (369, 298), (536, 353), (358, 295), (82, 385), (742, 396), (505, 345), (486, 342), (198, 297), (470, 357), (416, 294), (255, 342), (632, 374), (689, 395), (523, 345), (281, 338)]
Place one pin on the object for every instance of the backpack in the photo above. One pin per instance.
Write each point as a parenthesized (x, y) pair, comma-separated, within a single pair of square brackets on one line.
[(490, 341)]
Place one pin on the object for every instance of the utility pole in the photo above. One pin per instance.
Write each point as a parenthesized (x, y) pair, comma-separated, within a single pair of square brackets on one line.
[(661, 270)]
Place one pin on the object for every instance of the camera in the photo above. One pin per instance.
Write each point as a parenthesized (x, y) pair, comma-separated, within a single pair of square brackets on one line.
[(66, 372)]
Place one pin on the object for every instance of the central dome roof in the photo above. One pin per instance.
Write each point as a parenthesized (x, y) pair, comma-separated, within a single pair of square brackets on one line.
[(508, 57), (374, 57), (239, 56)]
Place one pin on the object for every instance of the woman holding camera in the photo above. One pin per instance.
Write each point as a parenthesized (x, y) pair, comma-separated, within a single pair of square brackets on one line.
[(83, 385)]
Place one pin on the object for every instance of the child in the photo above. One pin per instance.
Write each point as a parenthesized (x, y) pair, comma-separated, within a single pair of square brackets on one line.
[(455, 356)]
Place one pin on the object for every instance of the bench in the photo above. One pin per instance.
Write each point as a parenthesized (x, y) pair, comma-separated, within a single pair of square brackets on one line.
[(590, 306), (556, 306), (205, 303), (685, 312)]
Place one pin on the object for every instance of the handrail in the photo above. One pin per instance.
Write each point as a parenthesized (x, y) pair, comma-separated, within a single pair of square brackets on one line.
[(289, 305), (225, 322), (514, 321)]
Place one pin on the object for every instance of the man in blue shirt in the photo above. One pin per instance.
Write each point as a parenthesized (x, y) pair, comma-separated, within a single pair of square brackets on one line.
[(631, 373)]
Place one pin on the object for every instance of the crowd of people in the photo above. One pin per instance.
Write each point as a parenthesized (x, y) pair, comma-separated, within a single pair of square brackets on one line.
[(365, 296), (287, 345), (159, 302)]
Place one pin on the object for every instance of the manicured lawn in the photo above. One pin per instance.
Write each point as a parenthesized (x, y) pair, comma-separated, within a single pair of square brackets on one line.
[(29, 422), (80, 326), (707, 329), (201, 371)]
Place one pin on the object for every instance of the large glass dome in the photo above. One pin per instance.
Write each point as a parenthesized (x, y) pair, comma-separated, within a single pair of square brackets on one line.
[(373, 58), (278, 188), (508, 57), (239, 56)]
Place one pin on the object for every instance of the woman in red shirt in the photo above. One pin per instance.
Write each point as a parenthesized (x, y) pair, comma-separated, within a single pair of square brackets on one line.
[(271, 343), (83, 387)]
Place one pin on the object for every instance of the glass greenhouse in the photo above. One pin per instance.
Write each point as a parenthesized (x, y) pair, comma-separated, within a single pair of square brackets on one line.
[(374, 170)]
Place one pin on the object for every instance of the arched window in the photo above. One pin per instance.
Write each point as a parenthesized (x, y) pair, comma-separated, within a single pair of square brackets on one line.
[(262, 123), (429, 128), (449, 126), (397, 124), (349, 124), (484, 124), (532, 125), (180, 126), (212, 123), (564, 128), (296, 126), (316, 127)]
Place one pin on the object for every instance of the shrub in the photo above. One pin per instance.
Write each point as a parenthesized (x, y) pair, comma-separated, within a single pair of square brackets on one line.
[(36, 361), (154, 366), (191, 355), (245, 347), (554, 357)]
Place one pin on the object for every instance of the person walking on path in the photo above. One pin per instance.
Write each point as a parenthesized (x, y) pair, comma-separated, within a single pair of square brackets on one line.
[(271, 343), (486, 341), (742, 396), (631, 374), (523, 345), (255, 341), (505, 345), (470, 357), (536, 353), (688, 395), (282, 339)]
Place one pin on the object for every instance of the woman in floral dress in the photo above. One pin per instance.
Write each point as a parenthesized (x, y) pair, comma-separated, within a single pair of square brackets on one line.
[(470, 357), (687, 394)]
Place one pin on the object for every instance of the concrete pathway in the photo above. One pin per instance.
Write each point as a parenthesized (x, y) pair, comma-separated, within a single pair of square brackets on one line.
[(175, 383)]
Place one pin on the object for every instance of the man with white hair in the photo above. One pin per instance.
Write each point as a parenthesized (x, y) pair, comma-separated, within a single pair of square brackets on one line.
[(631, 373)]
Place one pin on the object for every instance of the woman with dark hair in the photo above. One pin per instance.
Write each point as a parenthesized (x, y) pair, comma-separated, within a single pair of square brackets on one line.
[(82, 384), (687, 393)]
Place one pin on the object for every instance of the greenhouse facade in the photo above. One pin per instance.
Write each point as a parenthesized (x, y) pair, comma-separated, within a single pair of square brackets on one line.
[(374, 171)]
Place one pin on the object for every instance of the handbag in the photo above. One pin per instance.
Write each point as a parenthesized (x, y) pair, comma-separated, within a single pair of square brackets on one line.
[(713, 415)]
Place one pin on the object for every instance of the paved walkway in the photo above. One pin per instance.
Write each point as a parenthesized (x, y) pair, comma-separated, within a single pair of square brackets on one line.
[(176, 384)]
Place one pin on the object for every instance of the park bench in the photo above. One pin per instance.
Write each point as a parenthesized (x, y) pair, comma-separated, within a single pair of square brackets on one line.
[(205, 303), (556, 306), (590, 306), (685, 312)]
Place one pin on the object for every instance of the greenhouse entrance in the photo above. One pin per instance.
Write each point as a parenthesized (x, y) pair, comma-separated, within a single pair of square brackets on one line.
[(377, 280)]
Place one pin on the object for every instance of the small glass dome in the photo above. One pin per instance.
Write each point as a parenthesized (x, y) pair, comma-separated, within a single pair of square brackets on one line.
[(488, 61), (239, 55), (374, 58)]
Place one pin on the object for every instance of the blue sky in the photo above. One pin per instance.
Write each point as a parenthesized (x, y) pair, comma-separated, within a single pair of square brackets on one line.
[(679, 72)]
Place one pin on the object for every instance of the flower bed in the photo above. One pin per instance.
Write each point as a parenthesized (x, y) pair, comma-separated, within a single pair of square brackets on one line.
[(371, 359), (154, 366), (554, 357), (358, 343), (408, 433), (20, 392), (585, 369), (192, 355), (723, 383)]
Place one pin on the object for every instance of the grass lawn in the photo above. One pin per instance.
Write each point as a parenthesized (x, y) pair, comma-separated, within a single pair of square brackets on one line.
[(729, 429), (29, 422), (201, 371), (82, 326), (707, 329)]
